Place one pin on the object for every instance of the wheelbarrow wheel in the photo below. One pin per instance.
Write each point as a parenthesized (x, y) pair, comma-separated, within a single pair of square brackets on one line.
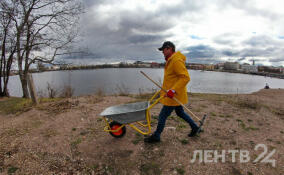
[(120, 133)]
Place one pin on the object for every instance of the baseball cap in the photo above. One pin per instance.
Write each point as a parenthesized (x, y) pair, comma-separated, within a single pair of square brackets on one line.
[(167, 44)]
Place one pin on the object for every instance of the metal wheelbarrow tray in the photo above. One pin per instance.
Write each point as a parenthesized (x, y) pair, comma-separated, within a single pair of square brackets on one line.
[(127, 113)]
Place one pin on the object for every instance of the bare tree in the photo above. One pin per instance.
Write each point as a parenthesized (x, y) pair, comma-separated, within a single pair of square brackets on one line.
[(44, 30), (8, 49)]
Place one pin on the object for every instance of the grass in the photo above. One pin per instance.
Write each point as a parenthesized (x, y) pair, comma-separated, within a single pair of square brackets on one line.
[(22, 129), (137, 139), (49, 133), (246, 103), (226, 116), (58, 106), (155, 117), (108, 169), (244, 127), (150, 168), (181, 126), (94, 100), (233, 142), (184, 141), (44, 100), (218, 145), (100, 92), (15, 105), (143, 96), (12, 170), (180, 170), (94, 167), (67, 91), (242, 102), (210, 97), (122, 89), (249, 120), (250, 173), (242, 124), (277, 111), (75, 142), (99, 119), (252, 128)]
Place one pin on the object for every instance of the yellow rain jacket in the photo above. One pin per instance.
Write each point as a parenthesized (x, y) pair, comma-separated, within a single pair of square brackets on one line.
[(176, 77)]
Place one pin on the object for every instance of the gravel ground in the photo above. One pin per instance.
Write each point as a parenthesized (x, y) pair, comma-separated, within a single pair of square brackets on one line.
[(67, 137)]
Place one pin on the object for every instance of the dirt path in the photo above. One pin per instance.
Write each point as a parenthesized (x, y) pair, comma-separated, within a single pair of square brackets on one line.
[(67, 137)]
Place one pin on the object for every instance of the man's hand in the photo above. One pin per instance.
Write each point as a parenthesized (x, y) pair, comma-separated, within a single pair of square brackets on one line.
[(171, 93)]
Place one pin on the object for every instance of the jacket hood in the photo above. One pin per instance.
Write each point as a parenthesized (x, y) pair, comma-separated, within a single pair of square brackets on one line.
[(178, 55)]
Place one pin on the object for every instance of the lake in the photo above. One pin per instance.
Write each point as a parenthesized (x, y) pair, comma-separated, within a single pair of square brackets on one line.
[(130, 80)]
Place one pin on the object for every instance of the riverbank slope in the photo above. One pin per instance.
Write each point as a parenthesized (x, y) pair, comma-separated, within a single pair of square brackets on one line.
[(66, 136)]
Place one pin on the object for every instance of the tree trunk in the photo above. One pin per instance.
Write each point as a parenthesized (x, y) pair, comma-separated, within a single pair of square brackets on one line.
[(24, 82), (32, 89), (5, 92), (6, 80)]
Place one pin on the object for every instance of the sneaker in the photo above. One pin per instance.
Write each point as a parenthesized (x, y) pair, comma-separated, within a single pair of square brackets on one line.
[(194, 132), (151, 139)]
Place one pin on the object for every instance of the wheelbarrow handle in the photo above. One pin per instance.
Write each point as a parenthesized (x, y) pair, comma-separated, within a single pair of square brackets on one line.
[(173, 97)]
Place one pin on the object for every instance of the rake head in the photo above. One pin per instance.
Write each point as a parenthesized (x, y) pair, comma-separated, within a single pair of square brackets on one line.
[(201, 123)]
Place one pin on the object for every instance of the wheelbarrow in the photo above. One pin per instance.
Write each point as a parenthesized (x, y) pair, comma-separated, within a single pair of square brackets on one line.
[(117, 117), (131, 114)]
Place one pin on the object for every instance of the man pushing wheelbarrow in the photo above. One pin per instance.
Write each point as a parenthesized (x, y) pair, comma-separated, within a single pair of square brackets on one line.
[(174, 90), (173, 96)]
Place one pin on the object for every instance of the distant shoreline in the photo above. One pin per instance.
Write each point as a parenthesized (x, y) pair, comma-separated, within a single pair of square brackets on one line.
[(265, 74)]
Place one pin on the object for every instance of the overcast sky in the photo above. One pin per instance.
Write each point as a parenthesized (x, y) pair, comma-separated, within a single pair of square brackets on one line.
[(206, 31)]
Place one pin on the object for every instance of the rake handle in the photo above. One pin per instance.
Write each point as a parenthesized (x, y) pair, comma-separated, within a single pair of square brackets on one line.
[(173, 97)]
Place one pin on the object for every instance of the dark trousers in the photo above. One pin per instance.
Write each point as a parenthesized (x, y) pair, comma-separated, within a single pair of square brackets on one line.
[(166, 111)]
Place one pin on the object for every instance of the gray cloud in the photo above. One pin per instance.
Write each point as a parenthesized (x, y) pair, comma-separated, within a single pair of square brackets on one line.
[(136, 33), (139, 39), (261, 41), (257, 52), (230, 53), (242, 59), (186, 6), (223, 41), (201, 51), (226, 39), (276, 60), (202, 54), (124, 33), (209, 53), (249, 7), (91, 3)]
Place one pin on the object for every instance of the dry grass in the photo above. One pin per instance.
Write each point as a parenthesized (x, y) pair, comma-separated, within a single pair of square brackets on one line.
[(67, 92), (52, 92), (14, 105), (100, 92), (59, 106), (122, 90)]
